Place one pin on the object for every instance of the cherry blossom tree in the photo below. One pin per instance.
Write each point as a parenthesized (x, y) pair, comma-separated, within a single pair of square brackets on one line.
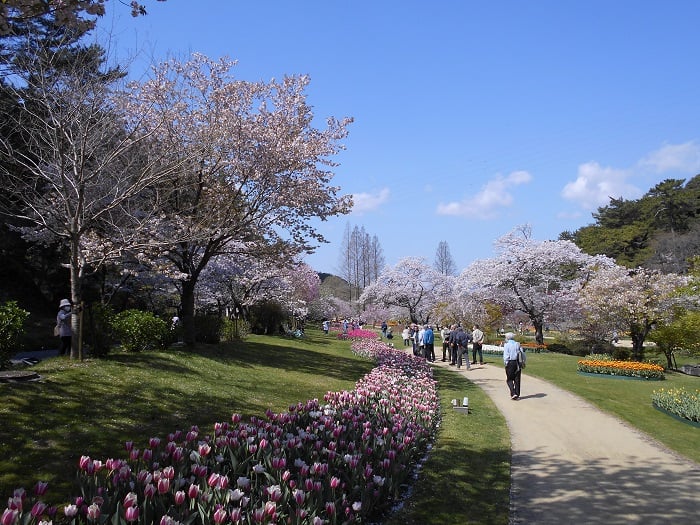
[(75, 172), (635, 299), (411, 284), (233, 284), (257, 171), (539, 278)]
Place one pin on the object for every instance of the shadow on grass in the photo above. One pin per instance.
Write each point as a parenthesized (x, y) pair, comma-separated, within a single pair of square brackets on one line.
[(466, 478), (93, 407)]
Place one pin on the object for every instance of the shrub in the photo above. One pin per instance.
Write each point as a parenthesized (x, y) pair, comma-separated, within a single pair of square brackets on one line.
[(621, 353), (208, 328), (12, 319), (98, 330), (138, 330), (266, 318), (235, 330), (559, 348)]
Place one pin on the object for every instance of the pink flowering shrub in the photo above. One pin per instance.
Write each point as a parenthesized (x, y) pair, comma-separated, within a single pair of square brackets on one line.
[(339, 461)]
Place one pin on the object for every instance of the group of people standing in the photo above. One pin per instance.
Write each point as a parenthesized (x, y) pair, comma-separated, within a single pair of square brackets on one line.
[(455, 344), (422, 338), (455, 349)]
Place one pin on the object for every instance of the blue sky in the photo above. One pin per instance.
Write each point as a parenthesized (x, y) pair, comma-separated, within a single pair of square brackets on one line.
[(471, 117)]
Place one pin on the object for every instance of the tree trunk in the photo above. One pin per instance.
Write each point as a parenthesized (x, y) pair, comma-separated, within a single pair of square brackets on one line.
[(539, 335), (75, 296), (638, 334), (637, 346), (187, 305)]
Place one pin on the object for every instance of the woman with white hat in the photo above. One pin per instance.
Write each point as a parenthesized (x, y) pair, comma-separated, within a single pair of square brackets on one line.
[(63, 321)]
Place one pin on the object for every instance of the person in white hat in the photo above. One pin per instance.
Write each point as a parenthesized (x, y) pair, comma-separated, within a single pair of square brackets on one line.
[(63, 321)]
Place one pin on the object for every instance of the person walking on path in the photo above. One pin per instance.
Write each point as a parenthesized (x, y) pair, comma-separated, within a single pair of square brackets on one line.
[(65, 331), (477, 344), (572, 463), (511, 349)]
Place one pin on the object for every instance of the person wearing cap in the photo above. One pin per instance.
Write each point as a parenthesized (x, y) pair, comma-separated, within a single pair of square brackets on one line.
[(510, 359), (63, 321)]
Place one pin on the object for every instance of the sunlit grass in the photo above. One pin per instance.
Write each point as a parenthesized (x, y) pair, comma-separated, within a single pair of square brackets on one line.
[(628, 399)]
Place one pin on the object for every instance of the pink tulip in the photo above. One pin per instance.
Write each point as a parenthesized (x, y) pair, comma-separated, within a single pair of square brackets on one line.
[(38, 509), (299, 496), (220, 516), (130, 499), (163, 486), (193, 491), (179, 497), (131, 513), (40, 488), (149, 490), (93, 512), (213, 479), (70, 511), (9, 516), (83, 462)]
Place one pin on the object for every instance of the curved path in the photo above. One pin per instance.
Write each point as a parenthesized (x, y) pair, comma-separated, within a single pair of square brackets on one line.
[(574, 464)]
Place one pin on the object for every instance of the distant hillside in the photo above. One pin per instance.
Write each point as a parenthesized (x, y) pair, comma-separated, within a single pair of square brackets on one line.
[(335, 286)]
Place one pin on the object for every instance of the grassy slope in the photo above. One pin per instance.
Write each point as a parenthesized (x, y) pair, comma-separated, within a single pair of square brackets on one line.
[(93, 407)]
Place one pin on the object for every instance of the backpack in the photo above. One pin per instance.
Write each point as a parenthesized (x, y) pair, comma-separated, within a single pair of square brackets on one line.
[(522, 357)]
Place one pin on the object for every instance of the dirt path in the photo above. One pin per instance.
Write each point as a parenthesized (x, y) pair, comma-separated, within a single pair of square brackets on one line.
[(574, 464)]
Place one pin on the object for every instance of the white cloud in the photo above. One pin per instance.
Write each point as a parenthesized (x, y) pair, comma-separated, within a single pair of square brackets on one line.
[(595, 184), (674, 157), (495, 194), (364, 202)]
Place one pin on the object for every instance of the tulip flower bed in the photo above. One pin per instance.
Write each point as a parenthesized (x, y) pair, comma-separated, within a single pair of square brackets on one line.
[(338, 462), (678, 401), (621, 368), (359, 333)]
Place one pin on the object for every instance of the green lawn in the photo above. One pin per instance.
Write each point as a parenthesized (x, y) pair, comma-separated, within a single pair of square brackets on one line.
[(628, 399), (95, 406)]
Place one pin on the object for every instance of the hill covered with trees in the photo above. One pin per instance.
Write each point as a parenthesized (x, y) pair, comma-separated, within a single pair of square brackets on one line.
[(660, 230)]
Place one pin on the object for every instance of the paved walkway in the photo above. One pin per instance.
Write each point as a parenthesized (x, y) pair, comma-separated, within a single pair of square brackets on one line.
[(574, 464)]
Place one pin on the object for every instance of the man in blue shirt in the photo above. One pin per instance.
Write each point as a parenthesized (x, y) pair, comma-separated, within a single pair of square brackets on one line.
[(429, 343), (511, 348)]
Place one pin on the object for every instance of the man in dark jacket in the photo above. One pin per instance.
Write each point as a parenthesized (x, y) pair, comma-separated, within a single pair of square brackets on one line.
[(461, 342)]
